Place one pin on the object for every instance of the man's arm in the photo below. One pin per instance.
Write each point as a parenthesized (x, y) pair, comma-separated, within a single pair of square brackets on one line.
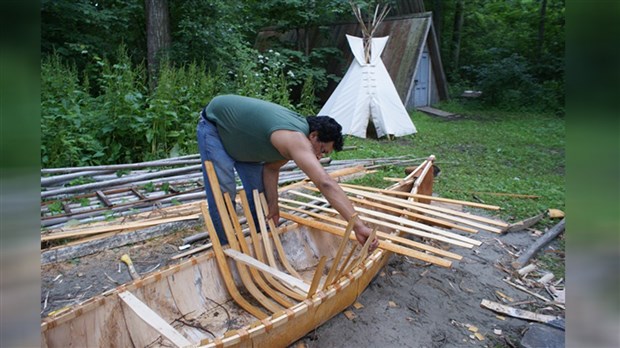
[(296, 146), (271, 173)]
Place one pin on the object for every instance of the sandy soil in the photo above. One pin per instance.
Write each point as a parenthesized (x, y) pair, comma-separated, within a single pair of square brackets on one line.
[(409, 304)]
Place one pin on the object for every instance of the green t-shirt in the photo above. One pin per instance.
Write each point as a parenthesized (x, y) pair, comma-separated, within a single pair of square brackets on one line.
[(245, 126)]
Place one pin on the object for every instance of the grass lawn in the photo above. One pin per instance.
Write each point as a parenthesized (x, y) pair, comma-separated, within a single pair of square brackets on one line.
[(483, 151)]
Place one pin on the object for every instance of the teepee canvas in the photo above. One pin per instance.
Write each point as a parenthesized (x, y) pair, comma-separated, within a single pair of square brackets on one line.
[(367, 93)]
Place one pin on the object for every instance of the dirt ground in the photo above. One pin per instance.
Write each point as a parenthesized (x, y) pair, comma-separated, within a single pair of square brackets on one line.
[(409, 304)]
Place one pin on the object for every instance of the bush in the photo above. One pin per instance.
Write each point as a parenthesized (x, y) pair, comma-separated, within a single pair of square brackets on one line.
[(67, 136)]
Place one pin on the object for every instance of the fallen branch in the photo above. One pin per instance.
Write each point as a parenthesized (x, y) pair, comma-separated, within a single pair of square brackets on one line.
[(522, 314), (539, 244)]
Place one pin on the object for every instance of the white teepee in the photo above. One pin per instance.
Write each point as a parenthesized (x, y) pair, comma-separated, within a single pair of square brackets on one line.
[(367, 92)]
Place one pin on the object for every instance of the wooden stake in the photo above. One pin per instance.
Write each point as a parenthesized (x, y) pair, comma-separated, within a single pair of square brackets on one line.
[(343, 244), (317, 277)]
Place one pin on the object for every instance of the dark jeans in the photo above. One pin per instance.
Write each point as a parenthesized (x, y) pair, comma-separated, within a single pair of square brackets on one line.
[(251, 174)]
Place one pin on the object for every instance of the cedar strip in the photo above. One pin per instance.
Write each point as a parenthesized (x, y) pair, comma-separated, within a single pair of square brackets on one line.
[(408, 213), (343, 244), (387, 236), (363, 253), (397, 219), (433, 198), (243, 271), (217, 247), (256, 275), (317, 277), (383, 245), (276, 239), (258, 251), (252, 262), (263, 229), (346, 262), (449, 214), (436, 235)]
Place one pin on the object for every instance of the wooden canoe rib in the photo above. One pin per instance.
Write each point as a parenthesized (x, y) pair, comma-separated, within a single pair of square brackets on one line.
[(275, 285)]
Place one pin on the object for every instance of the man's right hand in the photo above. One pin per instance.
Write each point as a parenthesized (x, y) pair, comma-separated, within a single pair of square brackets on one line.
[(362, 233)]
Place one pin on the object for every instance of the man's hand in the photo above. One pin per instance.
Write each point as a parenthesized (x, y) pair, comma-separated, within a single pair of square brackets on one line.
[(362, 233), (274, 213)]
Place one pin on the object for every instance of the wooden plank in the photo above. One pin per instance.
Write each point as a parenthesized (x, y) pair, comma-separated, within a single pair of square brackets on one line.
[(435, 112), (383, 235), (122, 227), (382, 244), (252, 262), (154, 320)]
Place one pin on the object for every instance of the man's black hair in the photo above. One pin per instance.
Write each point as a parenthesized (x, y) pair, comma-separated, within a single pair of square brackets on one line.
[(328, 130)]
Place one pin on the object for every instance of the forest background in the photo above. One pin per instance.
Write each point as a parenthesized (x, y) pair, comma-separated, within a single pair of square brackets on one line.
[(123, 81)]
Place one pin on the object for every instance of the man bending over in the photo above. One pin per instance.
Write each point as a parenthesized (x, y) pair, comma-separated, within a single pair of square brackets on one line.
[(256, 138)]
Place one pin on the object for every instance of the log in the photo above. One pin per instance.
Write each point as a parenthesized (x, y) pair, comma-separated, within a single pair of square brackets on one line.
[(97, 185), (163, 162), (539, 244)]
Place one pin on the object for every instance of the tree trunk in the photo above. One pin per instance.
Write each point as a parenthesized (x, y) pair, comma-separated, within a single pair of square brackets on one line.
[(438, 18), (157, 36), (541, 29), (456, 35)]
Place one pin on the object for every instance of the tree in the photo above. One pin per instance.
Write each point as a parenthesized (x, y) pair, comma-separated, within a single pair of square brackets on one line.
[(541, 28), (456, 34), (157, 36)]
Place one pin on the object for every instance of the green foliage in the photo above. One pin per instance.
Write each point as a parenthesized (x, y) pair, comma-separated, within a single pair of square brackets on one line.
[(501, 54), (67, 138), (120, 119), (55, 207)]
